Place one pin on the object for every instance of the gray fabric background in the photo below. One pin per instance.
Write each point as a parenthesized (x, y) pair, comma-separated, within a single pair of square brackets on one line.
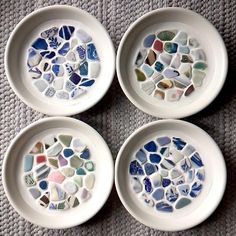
[(115, 124)]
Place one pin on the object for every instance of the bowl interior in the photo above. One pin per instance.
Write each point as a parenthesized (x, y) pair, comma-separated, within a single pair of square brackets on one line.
[(213, 185), (194, 25), (28, 30), (13, 174)]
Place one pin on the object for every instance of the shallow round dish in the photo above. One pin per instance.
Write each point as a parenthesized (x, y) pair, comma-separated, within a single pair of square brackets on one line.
[(193, 53), (30, 40), (173, 195), (67, 214)]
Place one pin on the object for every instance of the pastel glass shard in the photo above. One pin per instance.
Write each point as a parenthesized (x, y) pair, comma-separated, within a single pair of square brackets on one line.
[(166, 35)]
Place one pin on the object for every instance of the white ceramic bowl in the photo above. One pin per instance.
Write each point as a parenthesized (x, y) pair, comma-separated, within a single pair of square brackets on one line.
[(28, 30), (17, 192), (195, 26), (202, 206)]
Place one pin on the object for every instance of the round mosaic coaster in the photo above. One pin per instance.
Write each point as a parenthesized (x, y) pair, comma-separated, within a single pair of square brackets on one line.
[(167, 67), (54, 170), (62, 66), (171, 177)]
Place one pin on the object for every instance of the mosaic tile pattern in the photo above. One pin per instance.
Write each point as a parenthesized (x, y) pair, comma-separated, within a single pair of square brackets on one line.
[(170, 65), (58, 172), (63, 62), (166, 173)]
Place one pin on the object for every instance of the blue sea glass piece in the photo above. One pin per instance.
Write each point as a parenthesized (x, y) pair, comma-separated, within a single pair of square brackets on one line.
[(53, 42), (150, 146), (165, 182), (43, 184), (135, 168), (40, 44), (182, 203), (190, 175), (49, 32), (35, 73), (85, 154), (81, 52), (155, 158), (185, 165), (147, 185), (172, 194), (48, 54), (69, 69), (68, 152), (34, 58), (141, 156), (64, 49), (179, 143), (162, 141), (28, 162), (158, 194), (75, 78), (87, 83), (92, 52), (148, 41), (184, 189), (48, 77), (83, 69), (58, 60), (165, 151), (69, 86), (65, 32), (163, 206), (167, 164), (159, 66), (196, 189), (58, 70), (200, 175), (178, 181), (149, 168), (196, 160)]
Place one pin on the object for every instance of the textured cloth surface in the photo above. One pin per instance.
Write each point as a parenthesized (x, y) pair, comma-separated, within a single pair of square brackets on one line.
[(115, 124)]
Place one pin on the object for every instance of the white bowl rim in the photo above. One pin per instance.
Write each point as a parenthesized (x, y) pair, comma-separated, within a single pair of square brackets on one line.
[(188, 112), (18, 136), (119, 156), (61, 112)]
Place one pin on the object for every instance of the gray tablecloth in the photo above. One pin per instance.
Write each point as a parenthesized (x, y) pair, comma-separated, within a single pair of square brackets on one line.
[(115, 118)]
